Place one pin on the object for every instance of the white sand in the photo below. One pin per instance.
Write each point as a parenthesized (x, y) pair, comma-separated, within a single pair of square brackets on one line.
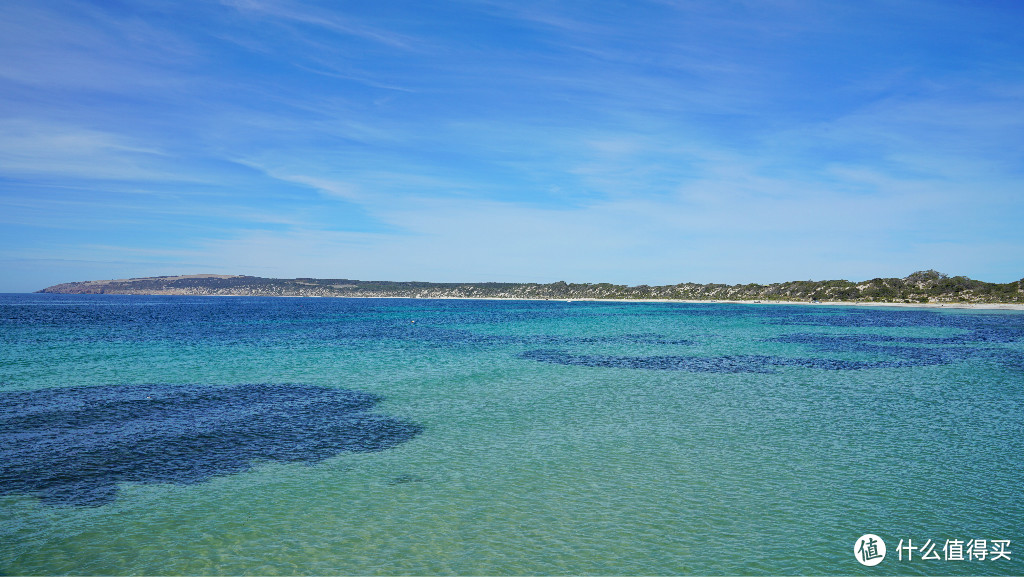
[(992, 306)]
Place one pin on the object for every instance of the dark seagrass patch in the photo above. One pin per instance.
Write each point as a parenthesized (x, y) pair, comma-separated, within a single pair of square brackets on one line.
[(72, 446)]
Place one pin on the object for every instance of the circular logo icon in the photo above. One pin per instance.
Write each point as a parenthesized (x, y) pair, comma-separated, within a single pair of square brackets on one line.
[(869, 550)]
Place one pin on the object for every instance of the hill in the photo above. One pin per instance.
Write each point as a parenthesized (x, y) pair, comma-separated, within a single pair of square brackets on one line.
[(921, 287)]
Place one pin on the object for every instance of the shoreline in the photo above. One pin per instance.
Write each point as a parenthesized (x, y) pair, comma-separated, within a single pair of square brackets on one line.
[(969, 306), (978, 306)]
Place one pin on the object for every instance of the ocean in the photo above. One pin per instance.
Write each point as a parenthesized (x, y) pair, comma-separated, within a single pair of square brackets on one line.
[(234, 435)]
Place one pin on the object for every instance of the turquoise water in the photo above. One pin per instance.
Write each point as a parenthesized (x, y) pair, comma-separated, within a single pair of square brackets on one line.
[(533, 437)]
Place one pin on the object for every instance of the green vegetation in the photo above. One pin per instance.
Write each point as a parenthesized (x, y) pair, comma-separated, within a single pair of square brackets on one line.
[(921, 287)]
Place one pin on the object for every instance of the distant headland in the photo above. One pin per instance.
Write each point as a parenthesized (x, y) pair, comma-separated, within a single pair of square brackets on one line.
[(923, 287)]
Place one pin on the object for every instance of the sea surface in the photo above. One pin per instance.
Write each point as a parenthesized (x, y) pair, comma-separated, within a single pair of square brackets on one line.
[(204, 435)]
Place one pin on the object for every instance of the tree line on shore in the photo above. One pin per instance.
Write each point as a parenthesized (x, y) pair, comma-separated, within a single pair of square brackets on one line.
[(919, 287)]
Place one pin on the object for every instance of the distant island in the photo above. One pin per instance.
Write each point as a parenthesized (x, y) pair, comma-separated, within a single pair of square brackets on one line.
[(921, 287)]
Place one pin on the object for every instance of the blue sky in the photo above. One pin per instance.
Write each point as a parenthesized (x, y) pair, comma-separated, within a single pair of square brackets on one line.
[(629, 142)]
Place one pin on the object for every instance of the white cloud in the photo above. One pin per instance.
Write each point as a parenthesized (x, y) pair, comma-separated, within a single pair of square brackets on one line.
[(61, 151), (84, 47), (330, 21)]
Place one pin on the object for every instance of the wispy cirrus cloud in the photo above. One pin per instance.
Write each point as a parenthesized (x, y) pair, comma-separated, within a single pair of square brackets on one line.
[(52, 150), (82, 47), (327, 20), (659, 142)]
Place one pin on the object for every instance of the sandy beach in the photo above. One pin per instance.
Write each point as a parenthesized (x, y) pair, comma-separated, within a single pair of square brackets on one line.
[(979, 306)]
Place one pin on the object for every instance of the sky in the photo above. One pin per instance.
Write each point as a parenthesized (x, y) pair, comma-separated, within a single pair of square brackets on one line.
[(640, 142)]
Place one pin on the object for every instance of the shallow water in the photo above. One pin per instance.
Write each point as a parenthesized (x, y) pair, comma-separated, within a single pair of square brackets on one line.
[(364, 436)]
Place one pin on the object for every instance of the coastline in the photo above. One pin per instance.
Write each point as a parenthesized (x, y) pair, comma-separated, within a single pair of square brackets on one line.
[(929, 289), (978, 306), (950, 305)]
